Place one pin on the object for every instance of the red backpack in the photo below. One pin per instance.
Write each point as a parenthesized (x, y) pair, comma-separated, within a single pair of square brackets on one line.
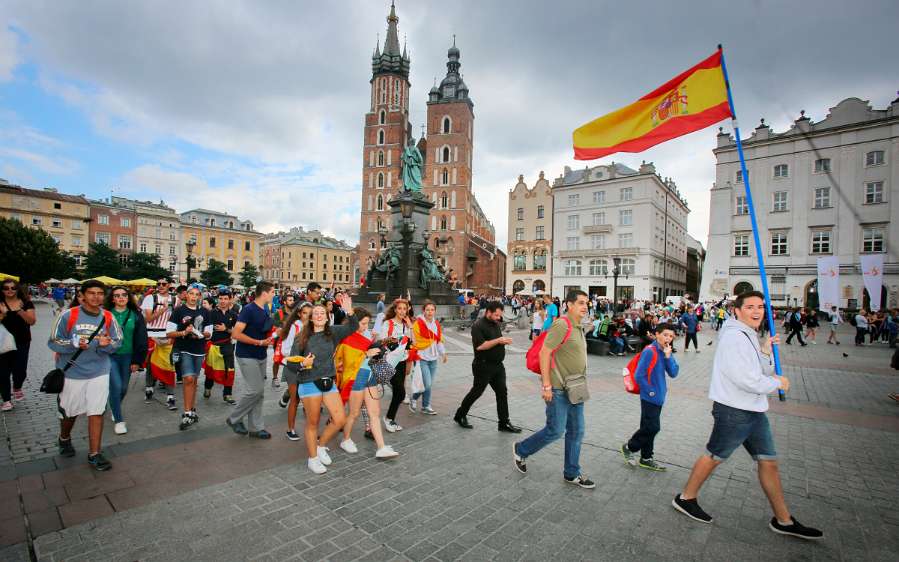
[(630, 382), (73, 319), (532, 358)]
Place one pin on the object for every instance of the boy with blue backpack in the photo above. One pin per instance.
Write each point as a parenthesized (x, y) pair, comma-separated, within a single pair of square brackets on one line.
[(656, 360)]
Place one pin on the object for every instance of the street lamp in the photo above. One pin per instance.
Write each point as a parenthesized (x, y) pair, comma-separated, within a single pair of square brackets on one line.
[(191, 244), (406, 207)]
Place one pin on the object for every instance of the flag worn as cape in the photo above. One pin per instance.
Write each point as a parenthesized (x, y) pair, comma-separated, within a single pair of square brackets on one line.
[(692, 100), (161, 362)]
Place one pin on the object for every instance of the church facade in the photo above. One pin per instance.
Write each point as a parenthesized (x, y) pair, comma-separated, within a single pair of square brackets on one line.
[(461, 236)]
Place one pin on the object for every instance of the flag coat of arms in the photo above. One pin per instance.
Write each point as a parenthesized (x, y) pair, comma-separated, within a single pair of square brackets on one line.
[(692, 100)]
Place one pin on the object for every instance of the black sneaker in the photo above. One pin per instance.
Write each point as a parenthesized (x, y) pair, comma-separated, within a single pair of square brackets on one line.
[(581, 481), (369, 435), (691, 509), (99, 462), (284, 400), (207, 392), (170, 402), (187, 420), (292, 435), (66, 448), (650, 464), (237, 427), (520, 462), (629, 457), (796, 529), (227, 398)]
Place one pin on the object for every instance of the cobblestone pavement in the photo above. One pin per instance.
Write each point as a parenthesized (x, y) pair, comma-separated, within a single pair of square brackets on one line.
[(205, 494)]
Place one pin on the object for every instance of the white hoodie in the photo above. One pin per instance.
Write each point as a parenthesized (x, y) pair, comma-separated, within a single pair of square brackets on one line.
[(741, 373)]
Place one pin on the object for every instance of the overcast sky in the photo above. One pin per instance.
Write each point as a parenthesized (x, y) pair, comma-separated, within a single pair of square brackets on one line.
[(256, 107)]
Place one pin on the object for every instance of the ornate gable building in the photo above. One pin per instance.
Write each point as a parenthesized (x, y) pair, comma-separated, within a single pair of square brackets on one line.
[(461, 235)]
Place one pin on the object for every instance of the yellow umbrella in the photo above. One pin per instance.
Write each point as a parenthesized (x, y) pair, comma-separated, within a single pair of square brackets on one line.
[(106, 280), (143, 282), (8, 276)]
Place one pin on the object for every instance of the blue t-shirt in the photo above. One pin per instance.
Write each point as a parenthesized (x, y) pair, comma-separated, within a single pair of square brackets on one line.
[(552, 312), (258, 325), (59, 294)]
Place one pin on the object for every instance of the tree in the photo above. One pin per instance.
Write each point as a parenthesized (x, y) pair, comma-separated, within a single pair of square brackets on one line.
[(216, 274), (144, 264), (248, 275), (102, 260), (31, 254)]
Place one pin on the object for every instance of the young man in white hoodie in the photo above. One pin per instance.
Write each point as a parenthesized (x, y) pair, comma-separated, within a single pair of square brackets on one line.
[(742, 377)]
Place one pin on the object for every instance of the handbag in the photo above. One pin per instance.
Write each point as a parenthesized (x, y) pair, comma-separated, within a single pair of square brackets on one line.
[(418, 383), (576, 388), (381, 370), (55, 379), (7, 341)]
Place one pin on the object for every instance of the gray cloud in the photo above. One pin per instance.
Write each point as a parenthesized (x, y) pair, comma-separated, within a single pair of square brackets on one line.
[(285, 84)]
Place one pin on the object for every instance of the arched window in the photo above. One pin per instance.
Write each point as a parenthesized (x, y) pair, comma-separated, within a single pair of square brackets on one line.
[(519, 262), (742, 287), (380, 200), (518, 286), (380, 224), (446, 154), (381, 136), (447, 125), (539, 285), (382, 117), (380, 183), (442, 223), (380, 158), (599, 267), (443, 200), (444, 177), (371, 243)]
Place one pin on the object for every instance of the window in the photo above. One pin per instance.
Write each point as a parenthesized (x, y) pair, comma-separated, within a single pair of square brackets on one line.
[(381, 136), (598, 241), (103, 219), (124, 242), (382, 117), (102, 238), (212, 241), (56, 222), (821, 242), (380, 181), (36, 221), (158, 249), (247, 245), (539, 211), (781, 171), (598, 267), (520, 214), (599, 218), (822, 197), (76, 225), (540, 260), (625, 217), (780, 201), (572, 243), (539, 235), (442, 223), (371, 243), (447, 125), (822, 165), (573, 267), (779, 244), (57, 205), (76, 241), (125, 222), (872, 239), (230, 265), (519, 262), (519, 234), (193, 219), (444, 201), (742, 205), (627, 266), (740, 175), (446, 154), (444, 177), (380, 158), (741, 245), (574, 222), (574, 200), (874, 158), (230, 244), (627, 193), (873, 192), (599, 197), (143, 247), (380, 204)]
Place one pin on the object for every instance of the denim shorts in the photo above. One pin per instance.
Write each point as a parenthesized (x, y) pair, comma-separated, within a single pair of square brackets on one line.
[(191, 365), (308, 390), (734, 427), (363, 380)]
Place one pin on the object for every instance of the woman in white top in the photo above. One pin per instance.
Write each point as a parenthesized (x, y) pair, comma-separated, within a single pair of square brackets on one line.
[(290, 331), (536, 319), (428, 341), (397, 325)]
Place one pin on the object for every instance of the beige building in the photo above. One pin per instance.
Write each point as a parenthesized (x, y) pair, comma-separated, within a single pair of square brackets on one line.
[(220, 236), (64, 217), (270, 257), (529, 265), (158, 232), (308, 256)]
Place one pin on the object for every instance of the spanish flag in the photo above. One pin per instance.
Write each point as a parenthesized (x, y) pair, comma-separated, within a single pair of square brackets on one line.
[(214, 366), (690, 101), (350, 355), (161, 362)]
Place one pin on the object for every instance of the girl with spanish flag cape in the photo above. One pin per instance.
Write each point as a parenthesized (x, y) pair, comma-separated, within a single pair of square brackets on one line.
[(427, 340), (357, 386)]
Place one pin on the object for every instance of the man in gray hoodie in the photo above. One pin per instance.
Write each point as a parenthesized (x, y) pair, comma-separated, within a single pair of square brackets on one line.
[(742, 377)]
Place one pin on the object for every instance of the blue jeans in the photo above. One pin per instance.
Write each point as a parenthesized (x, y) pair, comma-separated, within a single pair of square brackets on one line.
[(560, 415), (119, 377), (616, 345), (428, 372)]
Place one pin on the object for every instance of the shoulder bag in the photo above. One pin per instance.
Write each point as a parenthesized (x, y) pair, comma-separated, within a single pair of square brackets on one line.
[(55, 379)]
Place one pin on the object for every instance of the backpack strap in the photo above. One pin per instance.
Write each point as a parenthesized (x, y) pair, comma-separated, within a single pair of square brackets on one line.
[(73, 319), (652, 363)]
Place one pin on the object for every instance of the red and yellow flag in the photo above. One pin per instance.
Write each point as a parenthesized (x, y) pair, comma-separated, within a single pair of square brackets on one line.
[(690, 101)]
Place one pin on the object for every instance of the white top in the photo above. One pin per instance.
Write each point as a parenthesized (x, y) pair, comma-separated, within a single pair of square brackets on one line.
[(537, 320), (160, 323), (741, 373), (835, 318), (287, 342), (435, 350), (399, 329), (861, 321)]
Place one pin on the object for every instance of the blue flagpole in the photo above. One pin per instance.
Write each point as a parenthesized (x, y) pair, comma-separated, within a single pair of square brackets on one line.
[(755, 226)]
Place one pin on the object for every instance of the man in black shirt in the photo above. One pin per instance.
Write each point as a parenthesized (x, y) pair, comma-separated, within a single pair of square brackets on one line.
[(487, 368), (223, 318)]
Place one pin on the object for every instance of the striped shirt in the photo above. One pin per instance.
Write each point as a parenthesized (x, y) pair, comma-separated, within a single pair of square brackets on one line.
[(158, 324)]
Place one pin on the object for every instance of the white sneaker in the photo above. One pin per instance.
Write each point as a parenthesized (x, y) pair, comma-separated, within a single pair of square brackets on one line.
[(413, 406), (391, 426), (406, 400), (386, 452), (316, 466), (349, 446), (429, 411), (120, 428), (323, 455)]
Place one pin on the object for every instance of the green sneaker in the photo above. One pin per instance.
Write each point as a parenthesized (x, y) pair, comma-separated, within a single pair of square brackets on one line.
[(629, 457), (650, 464)]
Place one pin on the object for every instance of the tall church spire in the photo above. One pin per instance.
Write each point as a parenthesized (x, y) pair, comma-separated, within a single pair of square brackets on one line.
[(392, 43), (391, 60)]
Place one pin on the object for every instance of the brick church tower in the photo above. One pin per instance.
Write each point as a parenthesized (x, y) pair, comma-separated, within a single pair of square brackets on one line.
[(386, 132)]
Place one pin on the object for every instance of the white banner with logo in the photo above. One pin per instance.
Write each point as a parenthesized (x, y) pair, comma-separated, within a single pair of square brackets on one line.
[(872, 274), (828, 283)]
